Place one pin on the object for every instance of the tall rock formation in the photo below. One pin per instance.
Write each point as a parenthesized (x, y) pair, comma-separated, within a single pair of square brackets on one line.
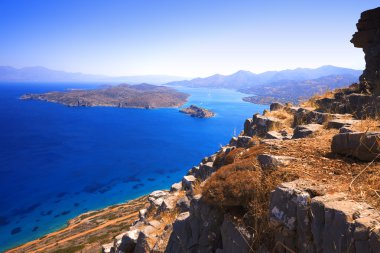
[(368, 38)]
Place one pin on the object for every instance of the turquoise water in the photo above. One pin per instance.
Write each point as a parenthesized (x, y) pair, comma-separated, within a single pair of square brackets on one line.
[(57, 162)]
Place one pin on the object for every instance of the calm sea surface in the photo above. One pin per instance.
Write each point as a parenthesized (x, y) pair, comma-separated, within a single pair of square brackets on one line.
[(57, 162)]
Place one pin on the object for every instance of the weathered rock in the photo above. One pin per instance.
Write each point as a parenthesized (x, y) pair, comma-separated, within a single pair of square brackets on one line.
[(188, 182), (157, 194), (303, 131), (364, 146), (145, 242), (368, 38), (235, 238), (204, 171), (243, 141), (306, 220), (176, 187), (128, 241), (248, 127), (197, 231), (263, 124), (305, 116), (142, 214), (183, 204), (271, 162), (339, 123), (273, 135), (168, 204), (108, 248), (276, 106), (233, 141)]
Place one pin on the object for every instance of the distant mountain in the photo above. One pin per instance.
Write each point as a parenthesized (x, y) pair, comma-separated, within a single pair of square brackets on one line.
[(245, 79), (296, 91), (41, 74)]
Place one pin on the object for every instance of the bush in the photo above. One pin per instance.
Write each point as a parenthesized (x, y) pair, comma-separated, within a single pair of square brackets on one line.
[(232, 185)]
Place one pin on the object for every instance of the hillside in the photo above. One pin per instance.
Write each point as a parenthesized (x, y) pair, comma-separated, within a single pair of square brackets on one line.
[(123, 95), (279, 86)]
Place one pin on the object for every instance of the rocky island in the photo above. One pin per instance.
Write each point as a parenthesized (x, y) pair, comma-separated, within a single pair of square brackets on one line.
[(197, 112), (123, 95)]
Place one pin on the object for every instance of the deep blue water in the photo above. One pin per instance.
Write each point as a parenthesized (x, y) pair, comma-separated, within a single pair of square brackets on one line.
[(57, 162)]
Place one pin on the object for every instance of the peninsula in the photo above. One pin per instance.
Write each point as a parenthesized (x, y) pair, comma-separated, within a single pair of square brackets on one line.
[(197, 112), (123, 95)]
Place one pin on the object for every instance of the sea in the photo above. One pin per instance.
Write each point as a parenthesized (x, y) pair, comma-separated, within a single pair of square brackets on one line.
[(57, 162)]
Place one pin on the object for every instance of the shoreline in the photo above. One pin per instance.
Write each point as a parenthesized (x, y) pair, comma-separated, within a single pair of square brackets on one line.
[(80, 229)]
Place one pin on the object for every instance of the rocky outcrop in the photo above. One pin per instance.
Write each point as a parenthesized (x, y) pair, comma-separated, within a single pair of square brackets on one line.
[(368, 38), (363, 146), (198, 112), (308, 220)]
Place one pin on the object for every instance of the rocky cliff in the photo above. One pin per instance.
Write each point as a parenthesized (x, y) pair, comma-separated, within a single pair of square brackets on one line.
[(368, 38)]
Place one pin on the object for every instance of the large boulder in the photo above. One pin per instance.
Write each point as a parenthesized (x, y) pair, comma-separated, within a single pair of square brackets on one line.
[(108, 248), (128, 241), (364, 146), (276, 106)]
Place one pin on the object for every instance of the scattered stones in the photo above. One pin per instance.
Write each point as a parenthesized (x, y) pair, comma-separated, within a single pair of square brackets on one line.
[(363, 146), (303, 131)]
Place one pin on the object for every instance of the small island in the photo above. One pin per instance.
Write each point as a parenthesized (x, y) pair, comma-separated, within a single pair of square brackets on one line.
[(123, 96), (198, 112)]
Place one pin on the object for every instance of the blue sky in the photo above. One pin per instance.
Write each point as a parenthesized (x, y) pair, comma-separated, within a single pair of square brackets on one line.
[(179, 37)]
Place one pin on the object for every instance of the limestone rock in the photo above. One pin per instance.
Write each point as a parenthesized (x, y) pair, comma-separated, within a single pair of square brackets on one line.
[(142, 214), (364, 146), (303, 131), (176, 187), (108, 248), (168, 204), (128, 241), (270, 162), (188, 182)]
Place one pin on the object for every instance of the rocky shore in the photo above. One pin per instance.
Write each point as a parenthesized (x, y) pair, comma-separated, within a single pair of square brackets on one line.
[(123, 96), (197, 112)]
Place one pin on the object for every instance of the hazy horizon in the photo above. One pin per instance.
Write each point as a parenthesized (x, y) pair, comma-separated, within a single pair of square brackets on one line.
[(184, 39)]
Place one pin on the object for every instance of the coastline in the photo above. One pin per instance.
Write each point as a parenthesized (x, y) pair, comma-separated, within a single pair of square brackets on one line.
[(88, 228)]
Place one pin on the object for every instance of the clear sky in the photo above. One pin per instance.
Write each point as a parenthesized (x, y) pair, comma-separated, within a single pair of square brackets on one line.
[(179, 37)]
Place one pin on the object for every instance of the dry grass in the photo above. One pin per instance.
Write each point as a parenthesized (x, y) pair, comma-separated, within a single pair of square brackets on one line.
[(311, 102), (285, 117), (370, 125), (243, 183)]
